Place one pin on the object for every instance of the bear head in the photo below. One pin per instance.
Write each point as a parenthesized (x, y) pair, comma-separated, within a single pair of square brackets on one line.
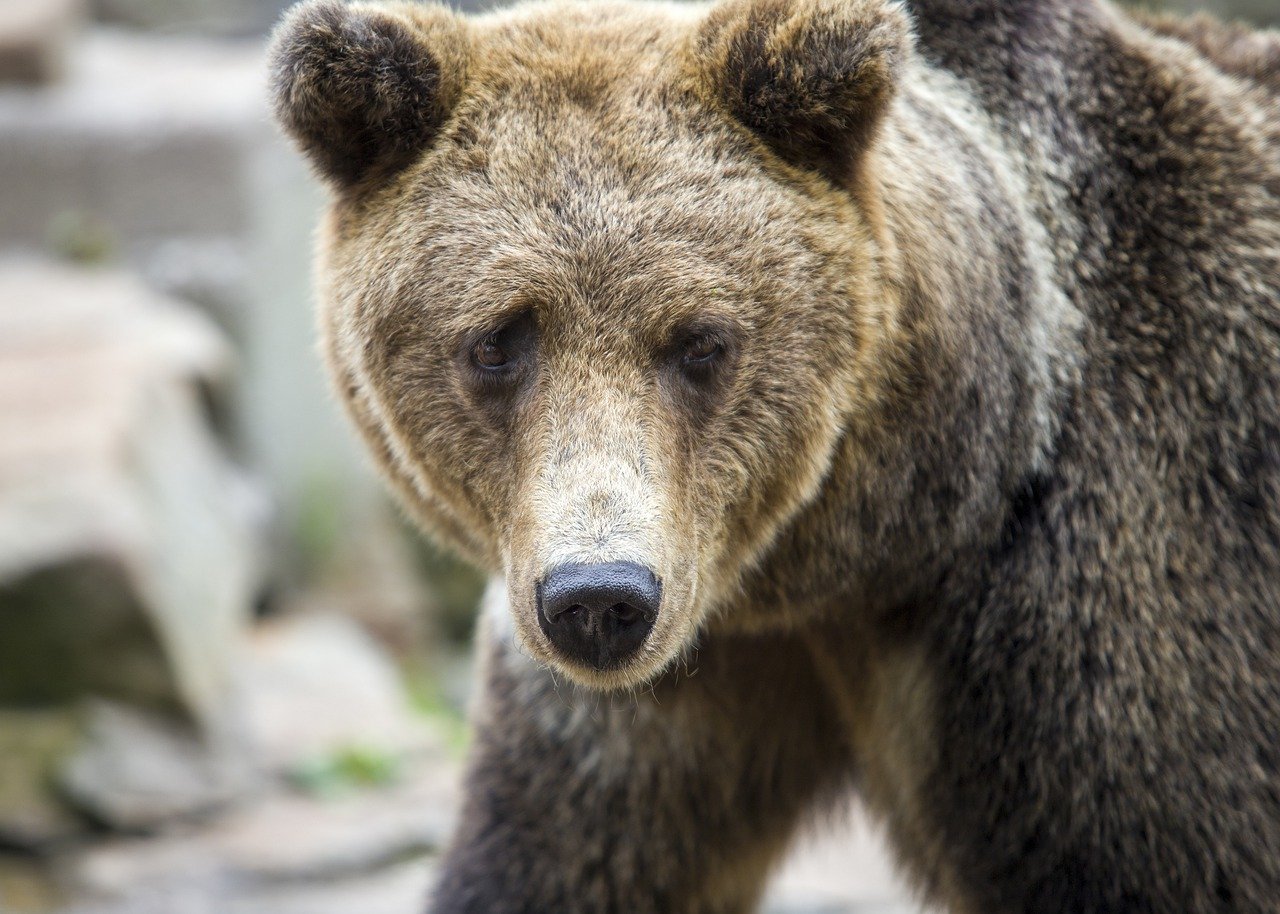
[(601, 285)]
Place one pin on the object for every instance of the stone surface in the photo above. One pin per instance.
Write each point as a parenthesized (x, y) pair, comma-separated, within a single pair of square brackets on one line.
[(216, 17), (32, 746), (159, 152), (292, 854), (141, 772), (365, 850), (401, 889), (287, 838), (127, 540), (315, 686), (149, 138), (28, 887), (314, 702), (376, 580), (34, 38), (372, 851)]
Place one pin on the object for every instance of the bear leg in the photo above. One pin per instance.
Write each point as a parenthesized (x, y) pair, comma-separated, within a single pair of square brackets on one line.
[(674, 800)]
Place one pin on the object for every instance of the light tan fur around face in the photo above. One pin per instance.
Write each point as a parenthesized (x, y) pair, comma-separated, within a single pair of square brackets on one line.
[(615, 253)]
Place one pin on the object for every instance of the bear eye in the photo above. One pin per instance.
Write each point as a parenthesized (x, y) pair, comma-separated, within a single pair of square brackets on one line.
[(496, 359), (701, 349), (490, 354)]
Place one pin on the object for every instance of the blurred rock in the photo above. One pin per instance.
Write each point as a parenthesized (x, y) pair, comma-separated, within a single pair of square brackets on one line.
[(456, 588), (27, 885), (35, 36), (314, 686), (210, 271), (150, 138), (375, 579), (293, 839), (216, 17), (140, 772), (228, 836), (128, 543), (269, 851), (32, 746), (315, 700), (159, 152), (820, 905), (401, 889)]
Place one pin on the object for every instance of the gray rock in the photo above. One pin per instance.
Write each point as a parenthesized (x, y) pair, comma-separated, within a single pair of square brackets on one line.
[(295, 839), (314, 701), (32, 746), (128, 542), (837, 906), (159, 151), (217, 17), (312, 687), (211, 271), (286, 847), (34, 38), (377, 581), (140, 772), (401, 889), (148, 137), (27, 886)]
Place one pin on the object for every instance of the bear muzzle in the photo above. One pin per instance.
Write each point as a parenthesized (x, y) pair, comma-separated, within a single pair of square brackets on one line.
[(598, 614)]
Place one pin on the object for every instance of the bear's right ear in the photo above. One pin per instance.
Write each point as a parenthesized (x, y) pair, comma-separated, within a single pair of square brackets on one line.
[(364, 89), (811, 78)]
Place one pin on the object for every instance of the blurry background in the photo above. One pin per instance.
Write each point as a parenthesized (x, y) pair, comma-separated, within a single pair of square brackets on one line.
[(232, 680)]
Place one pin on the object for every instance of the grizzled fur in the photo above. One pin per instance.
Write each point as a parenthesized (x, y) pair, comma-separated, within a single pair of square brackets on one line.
[(978, 510)]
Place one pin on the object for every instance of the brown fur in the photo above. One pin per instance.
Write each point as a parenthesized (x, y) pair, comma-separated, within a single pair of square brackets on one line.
[(1236, 49), (978, 509)]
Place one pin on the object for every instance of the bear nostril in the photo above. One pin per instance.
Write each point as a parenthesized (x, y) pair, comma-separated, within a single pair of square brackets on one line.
[(598, 614), (567, 612), (625, 613)]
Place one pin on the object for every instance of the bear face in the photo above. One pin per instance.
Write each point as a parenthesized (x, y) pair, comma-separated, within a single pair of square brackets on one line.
[(601, 289)]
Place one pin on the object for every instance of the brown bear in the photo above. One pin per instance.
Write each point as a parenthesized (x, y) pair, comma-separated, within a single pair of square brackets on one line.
[(851, 396)]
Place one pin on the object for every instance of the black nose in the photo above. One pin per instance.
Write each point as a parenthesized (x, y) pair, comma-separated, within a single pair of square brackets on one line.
[(599, 614)]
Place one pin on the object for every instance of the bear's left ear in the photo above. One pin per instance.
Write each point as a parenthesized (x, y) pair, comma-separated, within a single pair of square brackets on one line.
[(365, 88), (812, 78)]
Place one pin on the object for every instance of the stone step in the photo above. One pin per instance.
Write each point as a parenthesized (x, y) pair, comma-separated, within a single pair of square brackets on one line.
[(128, 541), (35, 37)]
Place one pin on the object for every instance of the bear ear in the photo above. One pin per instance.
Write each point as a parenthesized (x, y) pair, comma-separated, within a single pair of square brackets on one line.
[(364, 89), (811, 78)]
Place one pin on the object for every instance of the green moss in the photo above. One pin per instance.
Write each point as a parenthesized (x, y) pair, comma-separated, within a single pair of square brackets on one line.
[(29, 885), (33, 745), (321, 520), (456, 586), (81, 238), (350, 768), (430, 700)]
